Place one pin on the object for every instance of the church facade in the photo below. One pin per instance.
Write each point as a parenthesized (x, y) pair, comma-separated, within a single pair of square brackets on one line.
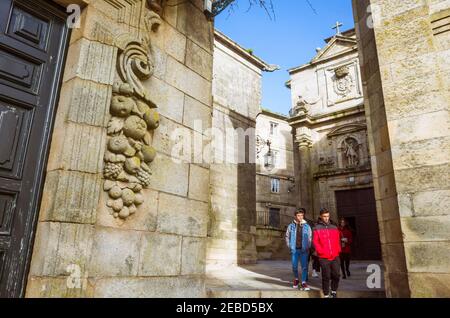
[(331, 152)]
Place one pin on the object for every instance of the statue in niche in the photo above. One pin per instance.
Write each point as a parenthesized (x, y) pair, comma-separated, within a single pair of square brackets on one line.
[(350, 151)]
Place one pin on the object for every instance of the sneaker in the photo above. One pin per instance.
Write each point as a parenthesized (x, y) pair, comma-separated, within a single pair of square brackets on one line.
[(314, 274), (305, 287), (333, 294), (327, 296), (296, 282)]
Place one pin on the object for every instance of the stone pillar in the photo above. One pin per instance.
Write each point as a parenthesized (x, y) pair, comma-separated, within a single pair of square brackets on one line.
[(81, 249), (304, 183), (404, 48)]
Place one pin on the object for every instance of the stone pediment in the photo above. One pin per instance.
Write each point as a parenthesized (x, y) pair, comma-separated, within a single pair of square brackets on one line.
[(346, 129), (337, 46)]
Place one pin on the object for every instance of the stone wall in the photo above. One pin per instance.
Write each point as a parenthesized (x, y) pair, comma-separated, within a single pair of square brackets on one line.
[(404, 51), (83, 249), (236, 102), (270, 243)]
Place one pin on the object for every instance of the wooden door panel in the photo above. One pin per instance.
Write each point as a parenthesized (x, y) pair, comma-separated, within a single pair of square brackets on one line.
[(33, 41)]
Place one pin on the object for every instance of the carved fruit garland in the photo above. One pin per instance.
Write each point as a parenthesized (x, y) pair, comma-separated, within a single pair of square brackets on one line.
[(134, 116)]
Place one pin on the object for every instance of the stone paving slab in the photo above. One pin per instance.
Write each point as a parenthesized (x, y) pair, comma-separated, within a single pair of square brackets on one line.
[(273, 279)]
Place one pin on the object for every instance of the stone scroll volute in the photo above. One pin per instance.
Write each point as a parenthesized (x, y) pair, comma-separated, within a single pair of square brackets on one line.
[(134, 117)]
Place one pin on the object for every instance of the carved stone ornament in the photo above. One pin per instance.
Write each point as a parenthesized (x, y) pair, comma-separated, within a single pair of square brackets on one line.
[(133, 119), (343, 82)]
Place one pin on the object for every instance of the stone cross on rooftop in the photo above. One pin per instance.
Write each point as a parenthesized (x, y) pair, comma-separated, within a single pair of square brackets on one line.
[(338, 24)]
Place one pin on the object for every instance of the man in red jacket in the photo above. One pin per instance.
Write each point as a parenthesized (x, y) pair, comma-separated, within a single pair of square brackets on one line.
[(326, 241)]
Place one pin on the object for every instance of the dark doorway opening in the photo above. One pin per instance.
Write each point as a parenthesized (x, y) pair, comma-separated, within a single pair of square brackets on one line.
[(359, 209)]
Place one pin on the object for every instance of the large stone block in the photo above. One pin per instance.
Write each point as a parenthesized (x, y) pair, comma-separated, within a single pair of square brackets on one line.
[(91, 61), (87, 102), (186, 80), (421, 153), (115, 253), (169, 176), (394, 257), (429, 203), (423, 178), (160, 255), (78, 147), (196, 115), (177, 215), (59, 287), (174, 140), (155, 287), (198, 183), (415, 128), (428, 257), (426, 229), (429, 285), (70, 196), (195, 25), (170, 101), (193, 257), (59, 246), (174, 43), (199, 60)]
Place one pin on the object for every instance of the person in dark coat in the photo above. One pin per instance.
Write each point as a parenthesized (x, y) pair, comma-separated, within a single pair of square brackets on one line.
[(346, 251)]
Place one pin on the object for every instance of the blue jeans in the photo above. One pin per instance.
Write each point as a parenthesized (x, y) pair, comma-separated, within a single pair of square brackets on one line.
[(304, 261)]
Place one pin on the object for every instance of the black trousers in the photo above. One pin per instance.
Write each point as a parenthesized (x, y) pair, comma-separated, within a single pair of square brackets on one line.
[(345, 263), (315, 263), (330, 271)]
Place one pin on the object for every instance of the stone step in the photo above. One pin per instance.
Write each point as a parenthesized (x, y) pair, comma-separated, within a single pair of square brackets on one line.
[(236, 293)]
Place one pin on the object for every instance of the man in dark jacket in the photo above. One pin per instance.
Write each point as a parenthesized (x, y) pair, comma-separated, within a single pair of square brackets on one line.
[(326, 241)]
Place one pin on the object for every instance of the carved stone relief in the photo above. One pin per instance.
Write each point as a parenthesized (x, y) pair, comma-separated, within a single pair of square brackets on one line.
[(343, 82), (350, 150), (134, 118)]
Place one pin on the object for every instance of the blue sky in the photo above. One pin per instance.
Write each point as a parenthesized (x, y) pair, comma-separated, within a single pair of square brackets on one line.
[(289, 40)]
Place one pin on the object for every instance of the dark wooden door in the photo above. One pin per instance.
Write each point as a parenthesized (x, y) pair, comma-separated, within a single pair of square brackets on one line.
[(358, 207), (33, 41)]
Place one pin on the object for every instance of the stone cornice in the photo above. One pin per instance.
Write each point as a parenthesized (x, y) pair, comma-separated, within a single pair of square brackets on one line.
[(309, 121)]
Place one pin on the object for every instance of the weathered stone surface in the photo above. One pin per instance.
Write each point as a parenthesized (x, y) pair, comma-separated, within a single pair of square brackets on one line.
[(193, 258), (426, 229), (428, 257), (429, 285), (59, 245), (423, 178), (59, 287), (85, 102), (417, 128), (169, 176), (157, 287), (198, 183), (186, 80), (394, 257), (196, 116), (91, 61), (182, 216), (79, 148), (115, 253), (421, 153), (175, 43), (199, 60), (173, 139), (428, 203), (160, 255), (170, 100), (193, 22), (70, 197)]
